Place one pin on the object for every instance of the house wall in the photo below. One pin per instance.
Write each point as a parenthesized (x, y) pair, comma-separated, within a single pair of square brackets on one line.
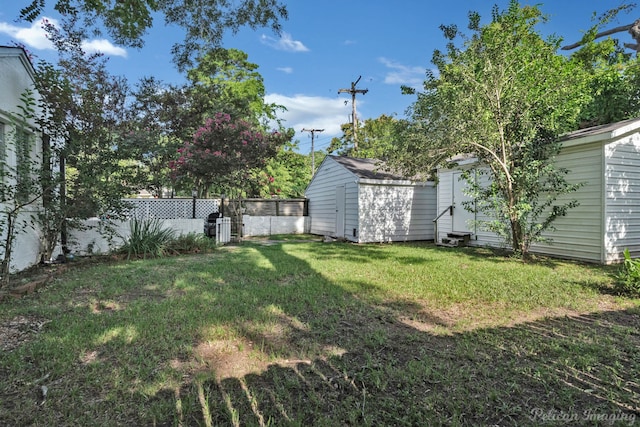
[(622, 197), (322, 197), (16, 75), (27, 246), (396, 213), (444, 191)]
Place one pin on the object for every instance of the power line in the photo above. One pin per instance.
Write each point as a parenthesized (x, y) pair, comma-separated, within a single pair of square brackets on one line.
[(354, 118), (313, 154)]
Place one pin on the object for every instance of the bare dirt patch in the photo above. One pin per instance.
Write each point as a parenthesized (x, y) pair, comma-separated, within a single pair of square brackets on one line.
[(19, 330)]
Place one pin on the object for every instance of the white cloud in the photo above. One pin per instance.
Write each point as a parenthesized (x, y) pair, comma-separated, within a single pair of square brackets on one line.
[(312, 112), (285, 43), (35, 37), (286, 70), (103, 46), (402, 74)]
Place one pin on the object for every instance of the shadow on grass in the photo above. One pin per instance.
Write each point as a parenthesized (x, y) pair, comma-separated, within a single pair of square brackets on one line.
[(548, 371), (366, 367), (278, 344)]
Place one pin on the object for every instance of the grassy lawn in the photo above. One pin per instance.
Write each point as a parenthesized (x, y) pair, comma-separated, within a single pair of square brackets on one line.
[(310, 333)]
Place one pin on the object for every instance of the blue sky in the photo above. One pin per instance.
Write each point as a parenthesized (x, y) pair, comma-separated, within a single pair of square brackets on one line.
[(324, 47)]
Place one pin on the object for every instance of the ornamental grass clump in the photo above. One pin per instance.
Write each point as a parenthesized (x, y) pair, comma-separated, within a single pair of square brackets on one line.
[(147, 238)]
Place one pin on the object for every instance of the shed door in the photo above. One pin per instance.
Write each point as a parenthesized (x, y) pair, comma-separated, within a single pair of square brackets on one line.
[(461, 217), (340, 211)]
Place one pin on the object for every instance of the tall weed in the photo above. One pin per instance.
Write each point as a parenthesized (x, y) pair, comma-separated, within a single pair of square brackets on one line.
[(628, 282)]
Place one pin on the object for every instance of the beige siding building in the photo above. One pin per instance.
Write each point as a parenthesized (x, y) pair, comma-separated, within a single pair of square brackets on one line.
[(357, 200), (606, 161)]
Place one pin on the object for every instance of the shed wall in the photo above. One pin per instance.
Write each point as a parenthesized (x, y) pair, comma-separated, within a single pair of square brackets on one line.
[(622, 197), (322, 197), (579, 234), (396, 213)]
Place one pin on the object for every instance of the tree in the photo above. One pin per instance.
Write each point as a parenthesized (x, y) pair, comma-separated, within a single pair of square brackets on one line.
[(376, 138), (83, 111), (285, 175), (223, 151), (163, 116), (504, 98), (204, 22), (21, 183), (614, 83), (237, 85), (633, 29), (86, 107)]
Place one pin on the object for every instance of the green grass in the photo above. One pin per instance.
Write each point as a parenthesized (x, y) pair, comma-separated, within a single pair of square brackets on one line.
[(310, 333)]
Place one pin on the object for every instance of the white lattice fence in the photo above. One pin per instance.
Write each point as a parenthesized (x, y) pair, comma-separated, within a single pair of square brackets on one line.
[(171, 208)]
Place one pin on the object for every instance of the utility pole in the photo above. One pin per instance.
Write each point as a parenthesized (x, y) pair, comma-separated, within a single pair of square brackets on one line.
[(354, 119), (313, 154)]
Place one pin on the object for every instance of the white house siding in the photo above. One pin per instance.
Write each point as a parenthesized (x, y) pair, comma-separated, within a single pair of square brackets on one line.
[(321, 193), (484, 237), (622, 197), (395, 213), (578, 235), (17, 75)]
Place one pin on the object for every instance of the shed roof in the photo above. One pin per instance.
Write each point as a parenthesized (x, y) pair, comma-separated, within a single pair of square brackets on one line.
[(601, 132), (367, 168)]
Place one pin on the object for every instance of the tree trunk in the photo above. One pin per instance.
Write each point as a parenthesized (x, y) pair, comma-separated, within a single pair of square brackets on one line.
[(5, 266)]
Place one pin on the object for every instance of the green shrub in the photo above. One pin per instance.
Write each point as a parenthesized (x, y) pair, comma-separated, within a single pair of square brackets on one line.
[(191, 243), (147, 239), (628, 282)]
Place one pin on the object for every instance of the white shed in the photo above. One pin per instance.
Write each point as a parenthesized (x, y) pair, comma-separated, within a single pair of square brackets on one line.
[(357, 200), (606, 159)]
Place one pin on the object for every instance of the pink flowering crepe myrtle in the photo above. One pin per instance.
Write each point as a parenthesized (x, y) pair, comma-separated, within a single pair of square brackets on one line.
[(223, 150)]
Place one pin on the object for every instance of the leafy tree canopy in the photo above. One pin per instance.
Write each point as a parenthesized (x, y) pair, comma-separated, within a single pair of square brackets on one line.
[(503, 97), (286, 175), (375, 138), (204, 22), (614, 85), (223, 151)]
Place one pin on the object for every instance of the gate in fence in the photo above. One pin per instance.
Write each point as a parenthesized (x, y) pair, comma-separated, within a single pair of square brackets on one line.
[(223, 230)]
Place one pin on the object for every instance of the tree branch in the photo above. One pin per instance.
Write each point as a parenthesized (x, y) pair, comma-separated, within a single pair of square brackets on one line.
[(599, 35)]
